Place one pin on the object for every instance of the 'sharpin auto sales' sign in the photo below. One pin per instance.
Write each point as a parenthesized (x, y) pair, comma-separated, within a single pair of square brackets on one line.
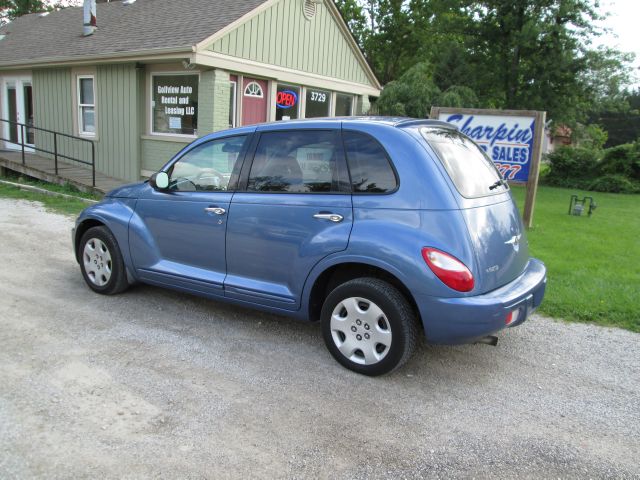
[(507, 140), (511, 138)]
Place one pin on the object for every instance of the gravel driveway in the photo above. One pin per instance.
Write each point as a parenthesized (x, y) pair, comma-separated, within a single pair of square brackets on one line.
[(153, 383)]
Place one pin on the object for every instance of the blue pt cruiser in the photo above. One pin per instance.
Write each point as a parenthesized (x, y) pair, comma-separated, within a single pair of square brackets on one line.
[(375, 227)]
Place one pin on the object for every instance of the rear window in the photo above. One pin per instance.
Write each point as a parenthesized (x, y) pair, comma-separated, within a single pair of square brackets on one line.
[(470, 168)]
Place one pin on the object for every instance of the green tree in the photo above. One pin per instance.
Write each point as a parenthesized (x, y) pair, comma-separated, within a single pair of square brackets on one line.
[(512, 53), (384, 29), (353, 14), (537, 53), (411, 95), (10, 9), (458, 96), (605, 79)]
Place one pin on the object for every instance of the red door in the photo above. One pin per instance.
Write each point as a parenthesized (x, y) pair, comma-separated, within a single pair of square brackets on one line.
[(254, 101)]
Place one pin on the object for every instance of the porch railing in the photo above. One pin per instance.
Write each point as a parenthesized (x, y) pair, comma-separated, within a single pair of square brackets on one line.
[(21, 141)]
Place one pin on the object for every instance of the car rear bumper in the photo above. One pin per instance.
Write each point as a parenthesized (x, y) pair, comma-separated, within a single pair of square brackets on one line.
[(462, 320)]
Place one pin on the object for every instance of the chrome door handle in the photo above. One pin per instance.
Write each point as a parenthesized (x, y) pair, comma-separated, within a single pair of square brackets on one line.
[(216, 210), (334, 217)]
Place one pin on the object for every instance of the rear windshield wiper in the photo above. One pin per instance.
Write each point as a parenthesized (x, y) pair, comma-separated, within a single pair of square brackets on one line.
[(497, 184)]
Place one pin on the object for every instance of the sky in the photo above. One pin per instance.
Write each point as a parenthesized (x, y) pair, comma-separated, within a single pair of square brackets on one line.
[(623, 23)]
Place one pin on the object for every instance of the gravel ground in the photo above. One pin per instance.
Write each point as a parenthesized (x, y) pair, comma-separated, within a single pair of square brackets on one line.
[(152, 383)]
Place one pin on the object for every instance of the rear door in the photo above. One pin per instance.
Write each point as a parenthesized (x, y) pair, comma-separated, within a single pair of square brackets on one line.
[(295, 210), (493, 220)]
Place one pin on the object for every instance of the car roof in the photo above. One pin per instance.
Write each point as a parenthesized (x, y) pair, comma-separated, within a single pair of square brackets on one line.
[(391, 121), (399, 122)]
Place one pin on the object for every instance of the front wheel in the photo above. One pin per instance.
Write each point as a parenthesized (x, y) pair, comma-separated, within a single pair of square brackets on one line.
[(369, 326), (101, 262)]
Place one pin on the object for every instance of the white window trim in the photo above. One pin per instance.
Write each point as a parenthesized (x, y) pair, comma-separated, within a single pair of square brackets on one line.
[(234, 104), (250, 95), (150, 104), (80, 125)]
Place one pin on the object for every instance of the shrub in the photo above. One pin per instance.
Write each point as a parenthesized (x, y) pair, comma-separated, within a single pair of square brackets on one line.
[(622, 160), (572, 166), (614, 183)]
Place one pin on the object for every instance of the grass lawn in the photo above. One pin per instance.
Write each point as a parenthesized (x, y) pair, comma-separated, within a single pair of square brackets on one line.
[(58, 204), (593, 263)]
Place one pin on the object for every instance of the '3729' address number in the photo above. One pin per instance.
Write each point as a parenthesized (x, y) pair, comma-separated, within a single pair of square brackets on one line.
[(318, 97)]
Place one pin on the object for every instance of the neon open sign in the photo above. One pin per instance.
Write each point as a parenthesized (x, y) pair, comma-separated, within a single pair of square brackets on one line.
[(286, 99)]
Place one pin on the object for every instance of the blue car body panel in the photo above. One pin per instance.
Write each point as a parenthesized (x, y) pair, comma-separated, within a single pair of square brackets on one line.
[(173, 238), (273, 242), (267, 251), (115, 213), (461, 320)]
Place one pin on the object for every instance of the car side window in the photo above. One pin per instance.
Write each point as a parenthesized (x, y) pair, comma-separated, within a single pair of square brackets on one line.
[(302, 161), (369, 164), (207, 167)]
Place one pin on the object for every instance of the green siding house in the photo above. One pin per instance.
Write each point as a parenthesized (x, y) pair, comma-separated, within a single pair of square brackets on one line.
[(158, 73)]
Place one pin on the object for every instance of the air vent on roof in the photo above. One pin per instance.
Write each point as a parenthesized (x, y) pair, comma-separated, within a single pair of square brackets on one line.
[(309, 9), (128, 2)]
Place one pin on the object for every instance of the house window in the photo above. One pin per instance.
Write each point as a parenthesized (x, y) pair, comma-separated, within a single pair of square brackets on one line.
[(317, 103), (86, 105), (174, 104), (287, 102), (344, 105), (253, 89)]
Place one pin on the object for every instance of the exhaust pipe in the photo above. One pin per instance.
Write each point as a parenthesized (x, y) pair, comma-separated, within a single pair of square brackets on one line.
[(488, 340)]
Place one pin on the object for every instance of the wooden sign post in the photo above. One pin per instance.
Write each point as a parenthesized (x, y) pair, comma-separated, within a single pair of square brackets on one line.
[(511, 138)]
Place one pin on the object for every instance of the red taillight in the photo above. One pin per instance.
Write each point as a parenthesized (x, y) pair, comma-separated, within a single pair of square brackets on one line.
[(450, 270)]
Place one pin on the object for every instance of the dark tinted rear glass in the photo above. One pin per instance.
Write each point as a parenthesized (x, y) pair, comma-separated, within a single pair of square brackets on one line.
[(302, 161), (471, 170), (370, 168)]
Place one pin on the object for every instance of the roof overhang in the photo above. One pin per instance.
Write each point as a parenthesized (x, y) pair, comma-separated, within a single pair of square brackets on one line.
[(134, 56)]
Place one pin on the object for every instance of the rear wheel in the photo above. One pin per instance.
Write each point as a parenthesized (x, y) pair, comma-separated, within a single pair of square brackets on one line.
[(369, 326), (101, 262)]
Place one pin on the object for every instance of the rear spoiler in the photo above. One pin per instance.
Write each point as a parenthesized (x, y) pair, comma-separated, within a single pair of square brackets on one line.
[(412, 122)]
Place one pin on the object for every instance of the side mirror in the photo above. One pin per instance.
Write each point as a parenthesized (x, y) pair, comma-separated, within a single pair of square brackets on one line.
[(159, 180)]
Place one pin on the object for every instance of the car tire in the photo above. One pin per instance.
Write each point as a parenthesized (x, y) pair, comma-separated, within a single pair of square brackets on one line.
[(101, 262), (369, 326)]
